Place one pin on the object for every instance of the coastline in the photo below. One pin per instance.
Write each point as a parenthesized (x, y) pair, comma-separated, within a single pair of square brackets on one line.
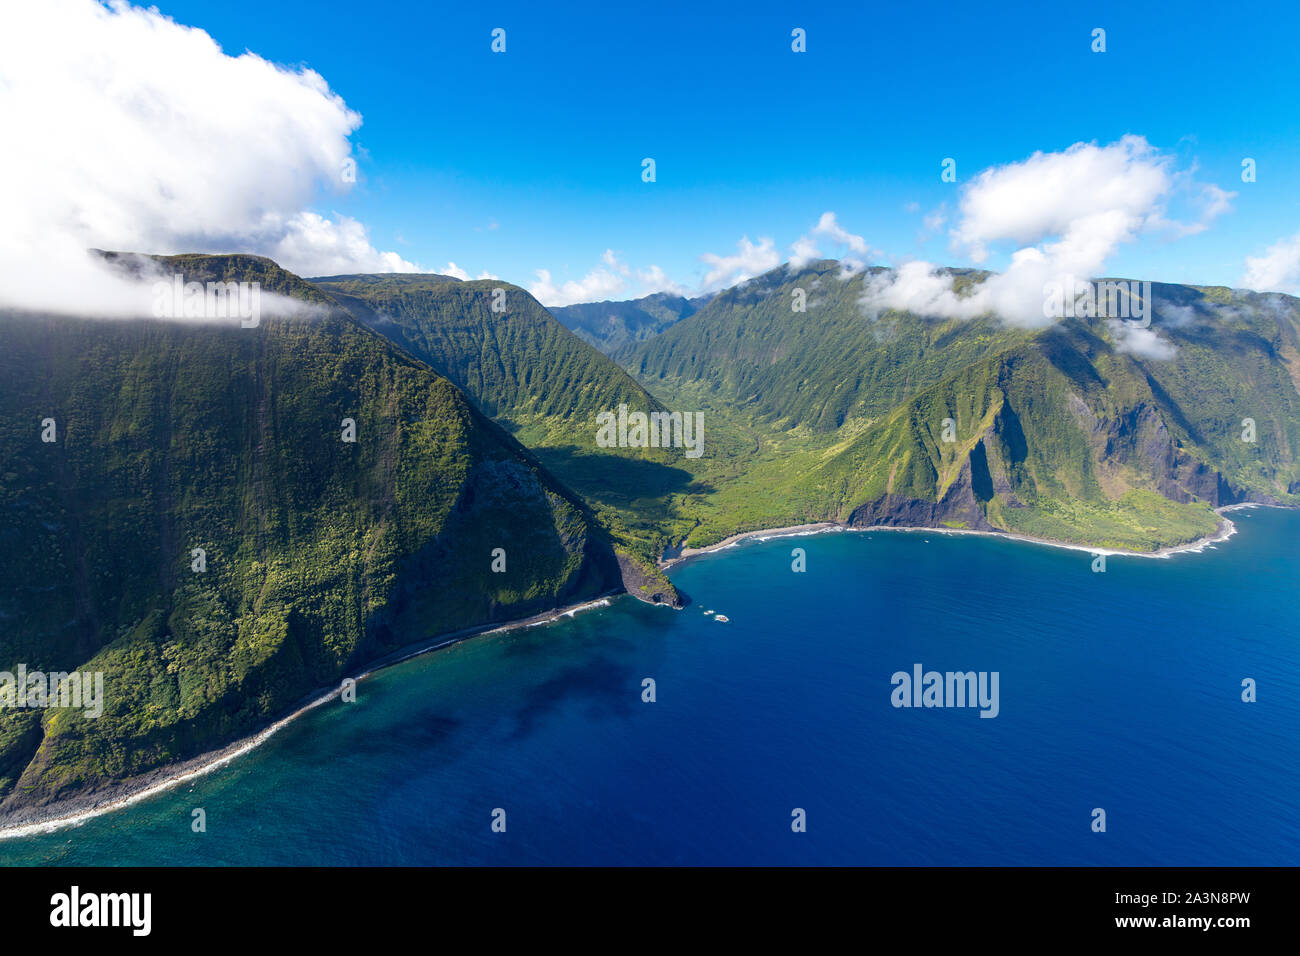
[(75, 811), (1225, 530), (787, 532)]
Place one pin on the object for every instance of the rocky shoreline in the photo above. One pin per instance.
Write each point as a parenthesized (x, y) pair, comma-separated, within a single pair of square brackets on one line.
[(1224, 531), (75, 810)]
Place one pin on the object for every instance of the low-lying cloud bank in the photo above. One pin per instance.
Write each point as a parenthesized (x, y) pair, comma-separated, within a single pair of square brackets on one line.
[(1063, 215), (1058, 217), (612, 279), (127, 130)]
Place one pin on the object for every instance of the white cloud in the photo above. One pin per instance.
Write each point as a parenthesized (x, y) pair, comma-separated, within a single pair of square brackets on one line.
[(933, 222), (613, 279), (1177, 316), (1210, 200), (750, 260), (1064, 214), (1085, 195), (849, 267), (805, 249), (126, 130), (606, 281), (917, 287), (596, 286), (1214, 203), (455, 271), (655, 280), (1142, 342), (829, 227), (321, 246), (1277, 270)]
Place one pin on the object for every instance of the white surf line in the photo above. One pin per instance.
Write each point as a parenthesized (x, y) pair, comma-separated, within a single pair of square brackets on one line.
[(796, 531), (761, 534), (1193, 547), (792, 531), (76, 819), (256, 740), (567, 612)]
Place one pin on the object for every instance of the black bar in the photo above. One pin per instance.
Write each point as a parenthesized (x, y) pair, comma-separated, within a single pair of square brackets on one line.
[(337, 906)]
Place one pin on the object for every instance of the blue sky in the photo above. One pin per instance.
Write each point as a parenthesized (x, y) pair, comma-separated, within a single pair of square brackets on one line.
[(510, 163)]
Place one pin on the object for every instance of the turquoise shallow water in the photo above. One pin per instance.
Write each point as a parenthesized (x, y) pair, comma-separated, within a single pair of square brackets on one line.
[(1119, 690)]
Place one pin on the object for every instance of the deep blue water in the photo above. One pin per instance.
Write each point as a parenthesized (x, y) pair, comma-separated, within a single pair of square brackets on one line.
[(1119, 690)]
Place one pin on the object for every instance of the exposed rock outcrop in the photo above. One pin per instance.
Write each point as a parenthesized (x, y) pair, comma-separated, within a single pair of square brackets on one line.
[(646, 583), (959, 507)]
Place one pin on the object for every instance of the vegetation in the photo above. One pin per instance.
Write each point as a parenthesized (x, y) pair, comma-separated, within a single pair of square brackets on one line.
[(537, 379), (320, 554), (616, 327), (323, 554), (837, 413)]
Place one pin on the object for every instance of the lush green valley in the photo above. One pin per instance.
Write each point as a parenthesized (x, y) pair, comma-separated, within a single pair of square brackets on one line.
[(475, 430), (838, 413)]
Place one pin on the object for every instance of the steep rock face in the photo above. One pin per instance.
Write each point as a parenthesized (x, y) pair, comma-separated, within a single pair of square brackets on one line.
[(535, 378), (1138, 438), (551, 533), (519, 365), (176, 440), (820, 368), (647, 584), (959, 507), (1015, 443), (1091, 430), (1183, 478)]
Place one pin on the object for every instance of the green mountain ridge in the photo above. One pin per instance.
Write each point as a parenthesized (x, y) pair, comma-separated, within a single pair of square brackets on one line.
[(320, 554), (529, 373), (476, 432), (1057, 433), (519, 365), (615, 328)]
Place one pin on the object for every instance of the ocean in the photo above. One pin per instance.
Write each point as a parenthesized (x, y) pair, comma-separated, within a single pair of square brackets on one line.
[(1119, 691)]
